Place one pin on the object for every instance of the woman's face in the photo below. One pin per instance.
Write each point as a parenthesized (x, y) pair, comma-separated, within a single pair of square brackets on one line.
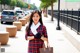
[(36, 18)]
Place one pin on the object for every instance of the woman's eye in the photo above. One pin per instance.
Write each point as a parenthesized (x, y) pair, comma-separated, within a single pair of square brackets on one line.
[(33, 16), (36, 16)]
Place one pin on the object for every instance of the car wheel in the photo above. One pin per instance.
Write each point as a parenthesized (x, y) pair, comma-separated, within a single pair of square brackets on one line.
[(1, 22), (19, 17)]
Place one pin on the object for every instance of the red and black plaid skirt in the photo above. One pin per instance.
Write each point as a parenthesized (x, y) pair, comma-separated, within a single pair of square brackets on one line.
[(34, 45)]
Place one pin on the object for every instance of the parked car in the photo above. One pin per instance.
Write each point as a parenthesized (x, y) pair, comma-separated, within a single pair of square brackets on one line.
[(20, 14), (26, 13), (8, 16)]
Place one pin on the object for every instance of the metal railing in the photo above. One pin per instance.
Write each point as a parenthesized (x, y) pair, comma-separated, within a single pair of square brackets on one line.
[(70, 18)]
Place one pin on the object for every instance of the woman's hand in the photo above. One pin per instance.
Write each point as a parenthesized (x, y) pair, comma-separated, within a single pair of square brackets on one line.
[(44, 39), (30, 37)]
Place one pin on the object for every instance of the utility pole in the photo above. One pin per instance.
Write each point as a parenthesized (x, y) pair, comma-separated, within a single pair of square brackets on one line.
[(58, 18)]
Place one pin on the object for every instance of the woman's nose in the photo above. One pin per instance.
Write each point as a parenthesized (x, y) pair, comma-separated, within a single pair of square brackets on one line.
[(35, 17)]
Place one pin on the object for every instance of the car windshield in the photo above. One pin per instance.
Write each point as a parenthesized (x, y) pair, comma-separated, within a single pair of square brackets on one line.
[(7, 13), (11, 13), (18, 11)]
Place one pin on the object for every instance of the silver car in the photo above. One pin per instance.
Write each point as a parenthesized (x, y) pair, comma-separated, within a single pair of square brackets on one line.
[(8, 16), (20, 14)]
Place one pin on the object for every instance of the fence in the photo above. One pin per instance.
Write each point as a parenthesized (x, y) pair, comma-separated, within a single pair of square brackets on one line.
[(70, 18)]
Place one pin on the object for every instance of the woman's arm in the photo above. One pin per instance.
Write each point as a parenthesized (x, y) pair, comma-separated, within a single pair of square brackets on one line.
[(27, 37), (45, 36), (30, 37), (44, 39)]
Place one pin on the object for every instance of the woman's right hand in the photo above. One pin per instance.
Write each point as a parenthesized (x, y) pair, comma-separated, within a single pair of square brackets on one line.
[(30, 37)]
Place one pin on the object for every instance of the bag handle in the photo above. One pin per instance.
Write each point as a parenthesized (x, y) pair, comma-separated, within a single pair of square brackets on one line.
[(48, 46)]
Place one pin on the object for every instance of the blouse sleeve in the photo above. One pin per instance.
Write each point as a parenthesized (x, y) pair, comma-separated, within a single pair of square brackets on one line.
[(45, 32)]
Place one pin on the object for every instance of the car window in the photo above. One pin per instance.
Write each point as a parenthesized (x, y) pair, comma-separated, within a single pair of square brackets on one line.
[(5, 12), (11, 13), (18, 11)]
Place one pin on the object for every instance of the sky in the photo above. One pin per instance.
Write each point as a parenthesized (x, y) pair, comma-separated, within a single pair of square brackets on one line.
[(37, 2)]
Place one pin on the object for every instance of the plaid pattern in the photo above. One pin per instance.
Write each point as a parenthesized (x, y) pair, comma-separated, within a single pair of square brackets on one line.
[(35, 44)]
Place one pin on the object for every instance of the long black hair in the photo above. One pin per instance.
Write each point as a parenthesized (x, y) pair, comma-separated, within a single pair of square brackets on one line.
[(31, 20)]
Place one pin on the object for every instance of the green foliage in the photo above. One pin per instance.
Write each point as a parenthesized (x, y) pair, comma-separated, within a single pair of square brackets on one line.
[(13, 2), (18, 3), (0, 1), (33, 7), (21, 4), (25, 5), (44, 5), (5, 2), (52, 1)]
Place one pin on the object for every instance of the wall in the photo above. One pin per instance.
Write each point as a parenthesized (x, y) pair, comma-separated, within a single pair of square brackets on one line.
[(66, 5)]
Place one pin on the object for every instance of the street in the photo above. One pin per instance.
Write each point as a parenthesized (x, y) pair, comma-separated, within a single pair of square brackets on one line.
[(57, 39)]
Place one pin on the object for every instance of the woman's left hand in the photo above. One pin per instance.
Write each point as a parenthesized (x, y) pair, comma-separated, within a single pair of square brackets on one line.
[(44, 39)]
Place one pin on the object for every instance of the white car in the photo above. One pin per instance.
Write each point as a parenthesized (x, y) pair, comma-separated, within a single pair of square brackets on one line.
[(20, 14), (26, 13)]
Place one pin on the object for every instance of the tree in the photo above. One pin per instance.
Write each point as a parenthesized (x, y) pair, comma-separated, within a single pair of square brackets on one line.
[(51, 3), (45, 5), (25, 5), (33, 7), (18, 3), (0, 1), (8, 2), (13, 3), (4, 2)]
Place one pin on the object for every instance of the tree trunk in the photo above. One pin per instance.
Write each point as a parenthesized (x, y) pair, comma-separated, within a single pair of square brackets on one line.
[(46, 12), (10, 7), (1, 8), (4, 6), (52, 12)]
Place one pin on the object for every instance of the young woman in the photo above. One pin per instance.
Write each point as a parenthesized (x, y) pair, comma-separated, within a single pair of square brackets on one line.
[(36, 33)]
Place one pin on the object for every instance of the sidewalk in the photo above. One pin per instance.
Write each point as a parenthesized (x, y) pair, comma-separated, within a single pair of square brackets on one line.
[(57, 40)]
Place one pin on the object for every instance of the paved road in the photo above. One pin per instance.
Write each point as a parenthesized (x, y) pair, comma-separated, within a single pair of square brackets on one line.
[(3, 26)]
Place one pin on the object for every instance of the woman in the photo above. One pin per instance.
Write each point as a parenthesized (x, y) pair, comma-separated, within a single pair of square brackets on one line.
[(36, 33)]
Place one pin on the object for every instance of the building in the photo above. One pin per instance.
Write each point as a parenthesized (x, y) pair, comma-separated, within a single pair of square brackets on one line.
[(67, 4)]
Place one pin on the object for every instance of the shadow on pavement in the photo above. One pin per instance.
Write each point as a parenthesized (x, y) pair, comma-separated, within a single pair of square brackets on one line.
[(8, 23), (5, 45), (14, 37)]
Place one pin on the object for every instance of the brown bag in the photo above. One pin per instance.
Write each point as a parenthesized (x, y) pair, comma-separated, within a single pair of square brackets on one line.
[(46, 50)]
